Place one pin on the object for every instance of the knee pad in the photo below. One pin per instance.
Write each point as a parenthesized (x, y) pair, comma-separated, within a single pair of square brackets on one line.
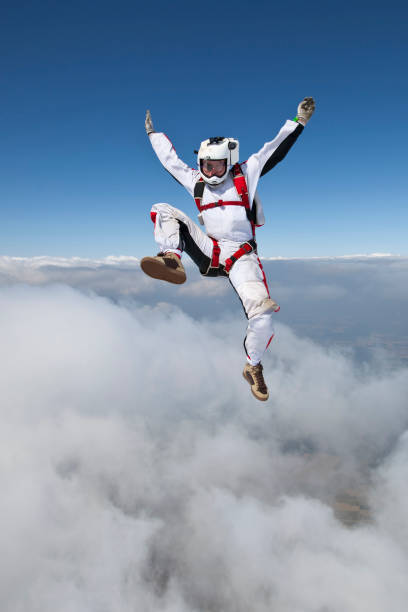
[(268, 305)]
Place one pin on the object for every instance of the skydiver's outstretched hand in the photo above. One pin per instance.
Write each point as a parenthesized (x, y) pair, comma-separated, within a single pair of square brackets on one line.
[(305, 110), (149, 123)]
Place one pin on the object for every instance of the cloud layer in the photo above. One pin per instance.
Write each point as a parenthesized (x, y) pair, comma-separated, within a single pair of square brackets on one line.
[(357, 302), (138, 473)]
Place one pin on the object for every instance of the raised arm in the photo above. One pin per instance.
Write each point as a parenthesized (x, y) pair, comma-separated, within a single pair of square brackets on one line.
[(274, 151), (167, 155)]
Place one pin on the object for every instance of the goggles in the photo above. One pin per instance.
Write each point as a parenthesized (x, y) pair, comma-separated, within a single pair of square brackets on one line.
[(213, 167)]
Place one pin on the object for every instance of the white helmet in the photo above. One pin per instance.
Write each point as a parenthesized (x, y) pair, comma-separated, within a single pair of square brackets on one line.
[(216, 158)]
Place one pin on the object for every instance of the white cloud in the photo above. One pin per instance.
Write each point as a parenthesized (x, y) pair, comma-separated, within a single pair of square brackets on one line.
[(138, 472), (354, 257), (353, 301), (206, 287)]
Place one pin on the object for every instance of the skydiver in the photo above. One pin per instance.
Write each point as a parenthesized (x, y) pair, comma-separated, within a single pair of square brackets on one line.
[(230, 211)]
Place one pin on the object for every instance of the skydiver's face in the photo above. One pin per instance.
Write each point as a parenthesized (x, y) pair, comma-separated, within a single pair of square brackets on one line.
[(213, 167)]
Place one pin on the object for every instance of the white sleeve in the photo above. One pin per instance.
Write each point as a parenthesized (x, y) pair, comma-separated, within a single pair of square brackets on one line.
[(271, 153), (174, 165)]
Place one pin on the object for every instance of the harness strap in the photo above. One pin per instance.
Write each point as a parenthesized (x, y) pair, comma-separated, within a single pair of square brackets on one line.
[(198, 192), (242, 191), (219, 203), (215, 269), (244, 249), (240, 185), (215, 258)]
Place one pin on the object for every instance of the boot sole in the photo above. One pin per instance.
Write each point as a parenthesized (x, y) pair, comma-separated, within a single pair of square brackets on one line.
[(156, 269), (261, 399)]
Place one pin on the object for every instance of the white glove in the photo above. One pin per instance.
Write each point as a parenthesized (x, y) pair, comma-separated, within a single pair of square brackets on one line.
[(149, 123), (305, 110)]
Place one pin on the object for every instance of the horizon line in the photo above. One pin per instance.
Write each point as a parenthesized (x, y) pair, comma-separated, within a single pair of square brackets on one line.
[(115, 260)]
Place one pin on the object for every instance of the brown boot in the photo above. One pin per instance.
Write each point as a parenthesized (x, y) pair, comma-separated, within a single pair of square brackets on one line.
[(254, 375), (165, 266)]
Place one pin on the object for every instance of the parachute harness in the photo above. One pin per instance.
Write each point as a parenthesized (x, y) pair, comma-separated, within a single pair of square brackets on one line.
[(214, 269)]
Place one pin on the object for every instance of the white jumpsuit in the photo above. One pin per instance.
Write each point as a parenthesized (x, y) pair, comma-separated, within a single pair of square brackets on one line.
[(174, 231)]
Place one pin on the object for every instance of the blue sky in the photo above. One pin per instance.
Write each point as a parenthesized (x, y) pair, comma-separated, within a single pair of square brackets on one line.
[(77, 173)]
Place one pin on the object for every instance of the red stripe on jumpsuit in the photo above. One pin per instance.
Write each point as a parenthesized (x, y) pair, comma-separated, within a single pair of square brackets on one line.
[(263, 276), (264, 280), (267, 288), (270, 340)]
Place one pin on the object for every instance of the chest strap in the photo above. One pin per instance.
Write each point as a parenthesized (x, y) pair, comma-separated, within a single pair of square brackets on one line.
[(219, 203)]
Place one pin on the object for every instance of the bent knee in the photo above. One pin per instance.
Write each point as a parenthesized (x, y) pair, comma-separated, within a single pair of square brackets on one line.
[(255, 298), (166, 211), (161, 207)]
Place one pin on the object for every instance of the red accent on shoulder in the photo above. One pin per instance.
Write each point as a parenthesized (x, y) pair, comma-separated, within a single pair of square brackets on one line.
[(153, 216)]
